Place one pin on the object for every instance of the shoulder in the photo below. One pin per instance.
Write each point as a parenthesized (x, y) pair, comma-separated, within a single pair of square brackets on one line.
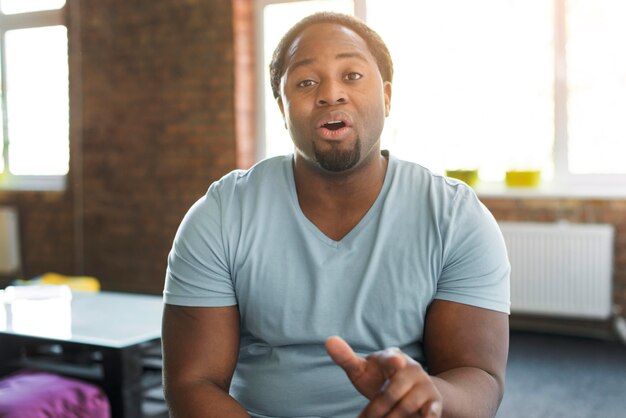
[(450, 204), (260, 172), (414, 179), (242, 192), (237, 193), (259, 180)]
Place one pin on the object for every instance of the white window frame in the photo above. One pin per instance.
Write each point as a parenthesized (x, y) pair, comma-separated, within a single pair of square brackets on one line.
[(564, 184), (55, 17)]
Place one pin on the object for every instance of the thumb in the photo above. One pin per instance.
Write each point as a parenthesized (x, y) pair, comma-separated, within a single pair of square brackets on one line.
[(342, 354)]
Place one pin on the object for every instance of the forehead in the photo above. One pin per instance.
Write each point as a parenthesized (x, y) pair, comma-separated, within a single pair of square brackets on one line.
[(321, 37)]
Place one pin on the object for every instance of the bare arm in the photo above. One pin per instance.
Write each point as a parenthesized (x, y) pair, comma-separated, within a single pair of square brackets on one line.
[(466, 350), (200, 349)]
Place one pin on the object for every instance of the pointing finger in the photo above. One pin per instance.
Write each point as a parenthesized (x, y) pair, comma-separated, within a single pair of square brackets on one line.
[(342, 354)]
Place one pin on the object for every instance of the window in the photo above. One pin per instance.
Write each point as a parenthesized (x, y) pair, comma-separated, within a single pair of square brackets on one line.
[(35, 94), (596, 81), (495, 85)]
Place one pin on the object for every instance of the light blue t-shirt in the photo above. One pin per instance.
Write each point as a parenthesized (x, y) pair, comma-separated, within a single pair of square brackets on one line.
[(247, 243)]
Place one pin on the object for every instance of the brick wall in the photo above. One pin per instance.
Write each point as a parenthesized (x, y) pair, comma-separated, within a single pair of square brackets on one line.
[(245, 116), (46, 231), (158, 127), (155, 121)]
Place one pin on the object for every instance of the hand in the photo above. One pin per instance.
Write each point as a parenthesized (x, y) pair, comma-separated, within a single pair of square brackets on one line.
[(396, 385)]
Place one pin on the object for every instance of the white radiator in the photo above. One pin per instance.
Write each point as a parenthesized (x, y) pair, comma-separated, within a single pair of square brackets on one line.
[(9, 241), (560, 269)]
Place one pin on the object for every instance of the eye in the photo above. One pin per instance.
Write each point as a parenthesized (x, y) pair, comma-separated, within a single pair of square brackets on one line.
[(306, 83), (353, 76)]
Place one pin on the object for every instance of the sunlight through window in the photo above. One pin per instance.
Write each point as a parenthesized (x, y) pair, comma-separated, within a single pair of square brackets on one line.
[(596, 74), (37, 100), (473, 85), (24, 6)]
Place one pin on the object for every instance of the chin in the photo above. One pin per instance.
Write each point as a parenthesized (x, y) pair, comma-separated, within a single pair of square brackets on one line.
[(338, 160)]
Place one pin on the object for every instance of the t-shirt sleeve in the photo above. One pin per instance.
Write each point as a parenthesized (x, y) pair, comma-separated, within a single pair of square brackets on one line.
[(476, 268), (198, 272)]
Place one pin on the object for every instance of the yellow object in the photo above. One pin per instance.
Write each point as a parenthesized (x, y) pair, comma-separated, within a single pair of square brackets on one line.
[(468, 176), (523, 178), (79, 283)]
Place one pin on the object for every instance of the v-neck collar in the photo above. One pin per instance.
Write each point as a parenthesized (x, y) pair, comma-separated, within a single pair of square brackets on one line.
[(371, 212)]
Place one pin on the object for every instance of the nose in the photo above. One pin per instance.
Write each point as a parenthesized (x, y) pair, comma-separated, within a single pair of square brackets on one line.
[(331, 93)]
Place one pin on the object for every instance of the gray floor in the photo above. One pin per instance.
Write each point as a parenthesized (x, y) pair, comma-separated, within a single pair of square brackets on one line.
[(552, 376)]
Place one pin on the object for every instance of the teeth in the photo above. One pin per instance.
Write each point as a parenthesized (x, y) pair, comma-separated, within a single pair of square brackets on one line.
[(334, 125)]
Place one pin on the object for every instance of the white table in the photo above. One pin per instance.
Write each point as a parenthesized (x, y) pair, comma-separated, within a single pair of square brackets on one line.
[(103, 337)]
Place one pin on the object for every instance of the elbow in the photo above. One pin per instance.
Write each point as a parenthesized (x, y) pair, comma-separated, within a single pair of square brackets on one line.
[(498, 384)]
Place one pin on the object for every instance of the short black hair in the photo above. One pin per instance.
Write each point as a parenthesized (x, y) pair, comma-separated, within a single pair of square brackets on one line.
[(374, 42)]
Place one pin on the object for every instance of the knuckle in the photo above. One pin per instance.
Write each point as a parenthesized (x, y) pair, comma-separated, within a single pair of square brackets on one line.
[(406, 407), (435, 409), (389, 397), (376, 409), (415, 365)]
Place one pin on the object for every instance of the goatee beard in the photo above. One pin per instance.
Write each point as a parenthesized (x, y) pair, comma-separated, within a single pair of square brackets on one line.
[(337, 160)]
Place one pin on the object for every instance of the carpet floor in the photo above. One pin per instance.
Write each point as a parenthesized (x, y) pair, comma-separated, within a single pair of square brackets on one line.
[(550, 376)]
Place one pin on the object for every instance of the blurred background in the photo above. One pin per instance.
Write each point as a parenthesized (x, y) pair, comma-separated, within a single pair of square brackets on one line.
[(117, 115)]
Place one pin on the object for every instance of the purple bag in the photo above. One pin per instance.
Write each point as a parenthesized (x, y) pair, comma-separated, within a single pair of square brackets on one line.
[(30, 394)]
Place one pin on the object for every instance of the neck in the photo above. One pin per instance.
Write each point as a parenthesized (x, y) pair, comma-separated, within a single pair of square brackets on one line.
[(355, 188)]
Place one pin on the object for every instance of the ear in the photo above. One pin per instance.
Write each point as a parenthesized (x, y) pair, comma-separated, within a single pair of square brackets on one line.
[(387, 93), (281, 106)]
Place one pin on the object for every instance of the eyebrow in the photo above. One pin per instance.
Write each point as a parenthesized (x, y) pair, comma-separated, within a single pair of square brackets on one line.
[(341, 55)]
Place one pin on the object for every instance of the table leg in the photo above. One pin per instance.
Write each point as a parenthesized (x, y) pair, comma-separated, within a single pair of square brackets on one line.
[(122, 369)]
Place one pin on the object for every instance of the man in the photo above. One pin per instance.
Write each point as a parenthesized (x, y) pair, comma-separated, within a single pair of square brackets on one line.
[(290, 284)]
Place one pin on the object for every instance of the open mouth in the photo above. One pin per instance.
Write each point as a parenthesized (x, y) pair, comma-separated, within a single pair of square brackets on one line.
[(334, 125)]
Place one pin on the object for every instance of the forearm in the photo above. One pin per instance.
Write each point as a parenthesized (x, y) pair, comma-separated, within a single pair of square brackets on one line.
[(201, 400), (469, 392)]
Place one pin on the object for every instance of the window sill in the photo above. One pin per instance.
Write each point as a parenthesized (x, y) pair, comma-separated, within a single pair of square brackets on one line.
[(33, 183), (550, 191)]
